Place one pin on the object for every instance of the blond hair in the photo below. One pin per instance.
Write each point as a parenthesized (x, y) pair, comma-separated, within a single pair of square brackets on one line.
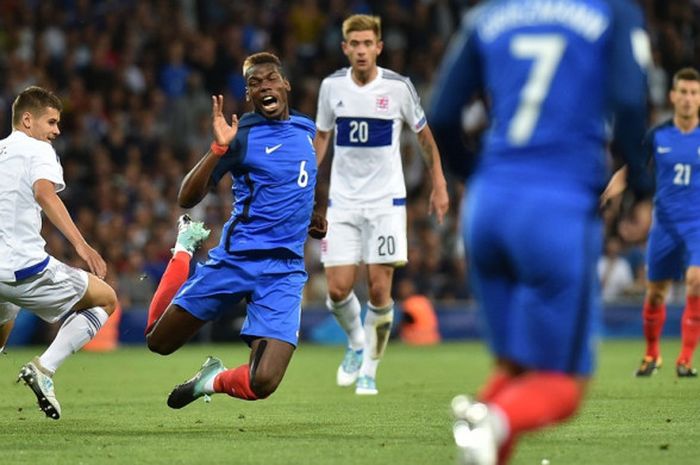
[(362, 23)]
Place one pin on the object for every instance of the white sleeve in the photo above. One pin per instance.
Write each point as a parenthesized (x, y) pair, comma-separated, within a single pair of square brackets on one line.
[(411, 109), (325, 119), (45, 165)]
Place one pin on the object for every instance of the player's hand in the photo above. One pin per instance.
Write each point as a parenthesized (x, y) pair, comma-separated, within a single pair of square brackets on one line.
[(223, 132), (318, 226), (615, 188), (94, 260), (439, 202)]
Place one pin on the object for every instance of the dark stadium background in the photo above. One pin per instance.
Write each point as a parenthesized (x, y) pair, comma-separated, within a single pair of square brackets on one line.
[(136, 78)]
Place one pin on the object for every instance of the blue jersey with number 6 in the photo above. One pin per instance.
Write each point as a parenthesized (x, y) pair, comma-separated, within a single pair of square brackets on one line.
[(273, 164)]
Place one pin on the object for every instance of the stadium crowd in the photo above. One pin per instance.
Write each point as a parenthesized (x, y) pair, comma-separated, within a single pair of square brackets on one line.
[(136, 79)]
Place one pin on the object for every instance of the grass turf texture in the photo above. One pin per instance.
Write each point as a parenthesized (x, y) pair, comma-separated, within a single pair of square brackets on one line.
[(114, 412)]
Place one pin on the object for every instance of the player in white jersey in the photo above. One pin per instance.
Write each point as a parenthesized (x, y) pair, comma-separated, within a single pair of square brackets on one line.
[(367, 107), (30, 177)]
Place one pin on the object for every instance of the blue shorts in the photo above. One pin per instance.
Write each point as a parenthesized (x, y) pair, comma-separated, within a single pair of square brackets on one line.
[(533, 254), (271, 283), (671, 249)]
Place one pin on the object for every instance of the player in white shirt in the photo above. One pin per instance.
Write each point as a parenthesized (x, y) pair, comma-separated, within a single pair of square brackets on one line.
[(367, 107), (30, 177)]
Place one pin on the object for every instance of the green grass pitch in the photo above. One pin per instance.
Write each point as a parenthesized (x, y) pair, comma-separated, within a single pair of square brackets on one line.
[(114, 412)]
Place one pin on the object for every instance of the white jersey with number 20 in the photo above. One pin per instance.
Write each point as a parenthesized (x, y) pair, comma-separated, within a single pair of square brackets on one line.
[(366, 170)]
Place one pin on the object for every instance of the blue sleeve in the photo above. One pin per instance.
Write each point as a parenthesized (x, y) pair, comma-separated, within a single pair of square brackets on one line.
[(630, 56), (648, 146), (459, 78)]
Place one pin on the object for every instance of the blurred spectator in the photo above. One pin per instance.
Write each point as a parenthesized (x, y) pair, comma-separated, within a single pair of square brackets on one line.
[(614, 272)]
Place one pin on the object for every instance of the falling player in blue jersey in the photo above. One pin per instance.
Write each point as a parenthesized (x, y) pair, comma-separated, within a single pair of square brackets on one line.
[(552, 71), (260, 257), (674, 239)]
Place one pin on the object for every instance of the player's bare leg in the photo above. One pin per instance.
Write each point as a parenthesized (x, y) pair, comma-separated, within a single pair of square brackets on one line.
[(653, 318), (690, 325), (88, 316), (174, 328), (5, 330), (345, 306), (258, 379), (377, 326)]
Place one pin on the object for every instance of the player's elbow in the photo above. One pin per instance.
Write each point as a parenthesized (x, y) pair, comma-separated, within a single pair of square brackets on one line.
[(188, 199)]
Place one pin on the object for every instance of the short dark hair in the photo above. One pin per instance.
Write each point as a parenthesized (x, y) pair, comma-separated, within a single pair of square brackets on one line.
[(259, 59), (686, 74), (35, 100)]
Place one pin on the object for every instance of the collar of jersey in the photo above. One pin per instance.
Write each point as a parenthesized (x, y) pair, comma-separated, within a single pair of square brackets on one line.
[(295, 117)]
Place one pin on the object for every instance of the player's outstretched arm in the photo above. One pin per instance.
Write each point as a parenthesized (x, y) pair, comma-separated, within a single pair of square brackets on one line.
[(56, 212), (439, 199), (321, 141), (616, 186), (196, 183)]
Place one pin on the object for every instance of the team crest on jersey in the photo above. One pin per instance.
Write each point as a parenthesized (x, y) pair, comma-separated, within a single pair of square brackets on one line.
[(382, 103)]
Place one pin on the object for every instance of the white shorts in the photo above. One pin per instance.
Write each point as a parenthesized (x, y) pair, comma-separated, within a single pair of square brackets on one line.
[(370, 235), (8, 312), (49, 295)]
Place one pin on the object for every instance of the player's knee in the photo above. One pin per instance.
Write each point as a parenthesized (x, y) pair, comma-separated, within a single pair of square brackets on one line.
[(379, 294), (338, 293), (158, 345), (100, 294), (109, 300), (656, 299), (693, 285), (263, 384)]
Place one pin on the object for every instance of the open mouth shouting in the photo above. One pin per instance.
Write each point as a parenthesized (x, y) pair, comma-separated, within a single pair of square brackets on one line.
[(269, 103)]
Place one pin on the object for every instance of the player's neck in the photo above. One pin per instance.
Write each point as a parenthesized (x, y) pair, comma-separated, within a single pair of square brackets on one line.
[(686, 124), (362, 78)]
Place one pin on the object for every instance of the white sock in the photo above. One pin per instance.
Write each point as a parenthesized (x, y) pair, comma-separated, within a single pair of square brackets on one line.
[(375, 316), (347, 312), (79, 328), (499, 423), (180, 248)]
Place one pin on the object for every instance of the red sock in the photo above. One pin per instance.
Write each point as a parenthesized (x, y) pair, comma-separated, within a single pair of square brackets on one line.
[(538, 399), (498, 380), (653, 319), (505, 451), (690, 329), (175, 275), (235, 383)]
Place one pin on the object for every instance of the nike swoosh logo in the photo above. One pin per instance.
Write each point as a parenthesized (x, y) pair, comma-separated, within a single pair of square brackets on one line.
[(269, 150), (663, 149)]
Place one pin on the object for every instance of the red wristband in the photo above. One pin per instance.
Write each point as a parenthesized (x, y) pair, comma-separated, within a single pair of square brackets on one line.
[(217, 149)]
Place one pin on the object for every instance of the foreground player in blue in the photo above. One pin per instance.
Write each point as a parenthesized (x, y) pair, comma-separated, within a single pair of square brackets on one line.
[(260, 257), (552, 72), (674, 239)]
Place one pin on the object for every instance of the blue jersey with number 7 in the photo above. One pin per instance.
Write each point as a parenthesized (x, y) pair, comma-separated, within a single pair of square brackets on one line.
[(556, 75)]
